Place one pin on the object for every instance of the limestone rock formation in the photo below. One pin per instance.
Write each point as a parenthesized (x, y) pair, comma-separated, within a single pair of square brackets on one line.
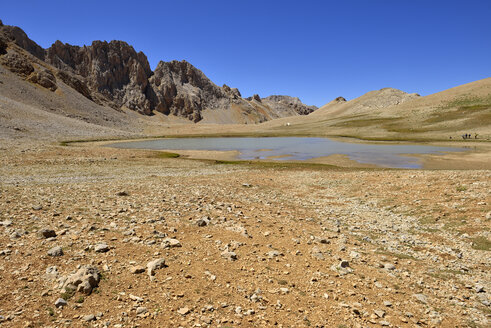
[(44, 78), (183, 90), (114, 74), (17, 63), (75, 81), (234, 93), (112, 69), (19, 37), (286, 102)]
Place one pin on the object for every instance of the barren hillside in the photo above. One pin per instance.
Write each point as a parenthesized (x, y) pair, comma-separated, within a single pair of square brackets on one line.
[(391, 114)]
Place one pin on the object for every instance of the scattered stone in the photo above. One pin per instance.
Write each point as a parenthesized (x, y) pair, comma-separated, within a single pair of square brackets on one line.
[(183, 310), (317, 253), (154, 265), (273, 254), (137, 269), (387, 303), (170, 243), (202, 222), (231, 256), (46, 233), (101, 248), (60, 302), (89, 317), (55, 251), (420, 297), (342, 268), (6, 223), (84, 280), (389, 266), (136, 298), (141, 310), (379, 313), (15, 235)]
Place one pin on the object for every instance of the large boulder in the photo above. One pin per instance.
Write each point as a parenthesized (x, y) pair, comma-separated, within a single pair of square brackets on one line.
[(44, 78), (84, 280), (17, 63)]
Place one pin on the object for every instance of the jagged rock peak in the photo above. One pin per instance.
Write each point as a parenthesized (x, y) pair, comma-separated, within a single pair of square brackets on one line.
[(114, 74), (112, 69), (232, 92), (292, 102), (19, 37), (181, 89), (256, 97)]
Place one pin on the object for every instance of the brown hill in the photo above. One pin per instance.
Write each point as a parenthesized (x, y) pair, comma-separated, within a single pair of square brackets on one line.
[(377, 99), (390, 114)]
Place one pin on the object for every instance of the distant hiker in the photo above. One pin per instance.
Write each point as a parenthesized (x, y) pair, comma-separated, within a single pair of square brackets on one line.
[(475, 137), (463, 136)]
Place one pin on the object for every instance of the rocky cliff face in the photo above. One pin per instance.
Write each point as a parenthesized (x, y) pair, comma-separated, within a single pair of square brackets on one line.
[(282, 103), (114, 74), (123, 77), (19, 37), (113, 70), (181, 89)]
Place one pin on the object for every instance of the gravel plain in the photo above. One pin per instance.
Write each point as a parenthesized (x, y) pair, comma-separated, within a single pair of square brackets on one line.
[(92, 236)]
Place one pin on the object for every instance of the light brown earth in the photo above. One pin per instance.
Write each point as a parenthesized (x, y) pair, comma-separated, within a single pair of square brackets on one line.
[(417, 242)]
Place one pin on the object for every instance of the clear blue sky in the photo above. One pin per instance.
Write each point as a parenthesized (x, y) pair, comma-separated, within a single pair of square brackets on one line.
[(316, 50)]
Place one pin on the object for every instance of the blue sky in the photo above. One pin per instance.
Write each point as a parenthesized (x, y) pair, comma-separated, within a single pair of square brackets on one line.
[(315, 50)]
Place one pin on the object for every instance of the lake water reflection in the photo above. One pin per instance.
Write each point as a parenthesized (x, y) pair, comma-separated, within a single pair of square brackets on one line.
[(296, 148)]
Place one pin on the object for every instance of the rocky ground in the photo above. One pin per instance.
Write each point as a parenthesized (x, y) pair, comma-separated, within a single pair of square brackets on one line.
[(104, 237)]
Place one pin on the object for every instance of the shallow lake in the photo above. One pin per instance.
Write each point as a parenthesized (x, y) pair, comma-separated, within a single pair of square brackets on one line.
[(296, 148)]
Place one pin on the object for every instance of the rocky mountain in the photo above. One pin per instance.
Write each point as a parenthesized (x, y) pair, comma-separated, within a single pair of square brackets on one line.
[(284, 103), (113, 74), (373, 100)]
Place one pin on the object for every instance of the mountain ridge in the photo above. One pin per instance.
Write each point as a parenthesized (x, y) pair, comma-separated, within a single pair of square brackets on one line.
[(114, 74)]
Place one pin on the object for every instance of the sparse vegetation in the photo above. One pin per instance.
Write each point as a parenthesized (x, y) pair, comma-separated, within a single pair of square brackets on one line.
[(164, 154), (460, 188), (68, 293), (481, 243)]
